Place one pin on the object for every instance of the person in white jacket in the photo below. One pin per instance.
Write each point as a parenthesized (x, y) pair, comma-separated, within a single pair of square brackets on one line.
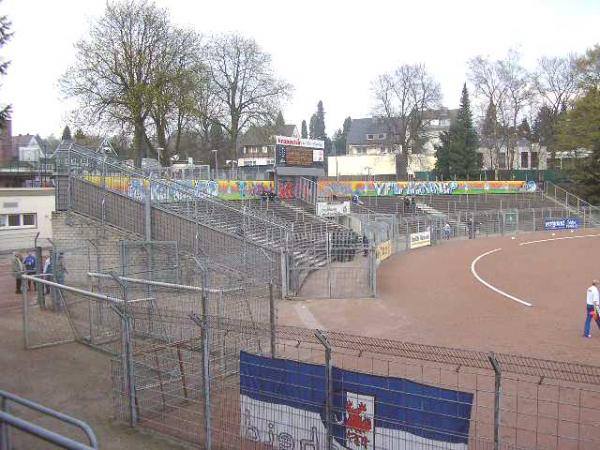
[(592, 307)]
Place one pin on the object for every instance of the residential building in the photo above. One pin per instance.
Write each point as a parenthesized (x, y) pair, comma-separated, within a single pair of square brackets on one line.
[(25, 212), (374, 145), (526, 155), (29, 148), (257, 145)]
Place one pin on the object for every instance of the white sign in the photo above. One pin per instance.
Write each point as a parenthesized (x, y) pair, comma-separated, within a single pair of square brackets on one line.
[(325, 209), (297, 142), (420, 239), (318, 155)]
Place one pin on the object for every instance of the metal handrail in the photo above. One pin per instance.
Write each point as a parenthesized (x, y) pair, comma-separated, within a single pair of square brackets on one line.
[(169, 184), (7, 419)]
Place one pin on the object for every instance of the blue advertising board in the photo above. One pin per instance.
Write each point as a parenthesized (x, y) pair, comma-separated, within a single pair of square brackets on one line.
[(571, 223)]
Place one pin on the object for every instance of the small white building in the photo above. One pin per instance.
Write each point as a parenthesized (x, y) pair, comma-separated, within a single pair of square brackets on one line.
[(25, 212)]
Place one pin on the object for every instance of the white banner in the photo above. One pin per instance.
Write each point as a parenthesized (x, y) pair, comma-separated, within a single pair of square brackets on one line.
[(297, 142), (325, 209), (318, 155), (420, 239)]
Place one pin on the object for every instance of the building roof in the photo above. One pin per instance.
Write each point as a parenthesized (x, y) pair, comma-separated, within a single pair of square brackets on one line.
[(359, 128), (257, 136)]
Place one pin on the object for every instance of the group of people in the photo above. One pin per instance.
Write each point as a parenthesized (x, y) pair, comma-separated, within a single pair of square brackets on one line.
[(410, 205), (28, 266)]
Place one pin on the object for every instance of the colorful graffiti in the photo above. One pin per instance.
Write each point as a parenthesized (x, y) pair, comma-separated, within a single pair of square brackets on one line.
[(287, 188), (390, 188), (225, 189)]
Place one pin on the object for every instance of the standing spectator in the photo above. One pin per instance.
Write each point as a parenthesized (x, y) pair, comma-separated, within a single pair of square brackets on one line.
[(47, 272), (406, 204), (447, 231), (17, 271), (471, 228), (592, 306), (30, 265), (413, 205)]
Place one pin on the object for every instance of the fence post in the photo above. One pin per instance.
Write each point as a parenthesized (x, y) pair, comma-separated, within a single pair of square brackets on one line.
[(373, 268), (25, 313), (329, 387), (272, 318), (148, 211), (497, 397), (205, 336)]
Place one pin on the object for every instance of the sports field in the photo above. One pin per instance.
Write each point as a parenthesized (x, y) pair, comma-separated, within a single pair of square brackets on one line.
[(431, 295)]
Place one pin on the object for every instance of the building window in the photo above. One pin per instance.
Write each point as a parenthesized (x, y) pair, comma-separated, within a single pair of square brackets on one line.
[(28, 220), (381, 136), (524, 160), (369, 137), (535, 162)]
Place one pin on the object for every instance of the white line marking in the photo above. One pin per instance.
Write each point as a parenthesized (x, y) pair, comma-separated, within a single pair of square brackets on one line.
[(560, 238), (493, 288), (308, 318)]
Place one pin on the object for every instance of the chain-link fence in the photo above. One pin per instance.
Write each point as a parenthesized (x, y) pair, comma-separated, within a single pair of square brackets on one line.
[(235, 384), (332, 265)]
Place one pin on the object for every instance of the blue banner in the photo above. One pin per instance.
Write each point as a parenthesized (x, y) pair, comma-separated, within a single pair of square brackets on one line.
[(283, 406), (570, 223)]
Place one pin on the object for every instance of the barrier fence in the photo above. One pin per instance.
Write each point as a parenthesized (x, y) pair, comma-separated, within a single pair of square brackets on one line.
[(224, 382)]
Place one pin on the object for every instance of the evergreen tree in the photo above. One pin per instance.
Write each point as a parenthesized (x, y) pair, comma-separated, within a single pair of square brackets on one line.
[(279, 121), (523, 130), (442, 157), (5, 35), (304, 134), (320, 122), (217, 137), (457, 153), (312, 127), (66, 134)]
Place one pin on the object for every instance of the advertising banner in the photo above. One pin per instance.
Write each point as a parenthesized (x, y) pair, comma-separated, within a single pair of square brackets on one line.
[(383, 251), (570, 223), (325, 209), (297, 142), (421, 239)]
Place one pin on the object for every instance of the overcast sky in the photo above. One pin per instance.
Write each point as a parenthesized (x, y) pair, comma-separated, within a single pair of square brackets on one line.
[(329, 50)]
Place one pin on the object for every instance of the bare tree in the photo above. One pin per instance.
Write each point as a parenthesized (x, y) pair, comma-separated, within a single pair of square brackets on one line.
[(556, 81), (117, 67), (244, 84), (519, 95), (179, 83), (504, 91), (401, 101), (484, 75)]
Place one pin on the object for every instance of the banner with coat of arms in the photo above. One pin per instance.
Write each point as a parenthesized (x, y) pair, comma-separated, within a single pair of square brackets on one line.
[(282, 405)]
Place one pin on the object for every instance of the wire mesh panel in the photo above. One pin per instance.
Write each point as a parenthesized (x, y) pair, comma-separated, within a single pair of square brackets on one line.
[(45, 318), (282, 388), (154, 260)]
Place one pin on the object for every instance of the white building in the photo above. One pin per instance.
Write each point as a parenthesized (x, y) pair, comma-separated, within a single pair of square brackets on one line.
[(25, 212), (526, 155)]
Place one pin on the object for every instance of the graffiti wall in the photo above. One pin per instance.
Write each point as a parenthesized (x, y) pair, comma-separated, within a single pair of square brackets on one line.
[(288, 188), (225, 189), (389, 188)]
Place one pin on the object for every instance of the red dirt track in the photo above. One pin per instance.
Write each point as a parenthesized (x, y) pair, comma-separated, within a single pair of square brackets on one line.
[(430, 296)]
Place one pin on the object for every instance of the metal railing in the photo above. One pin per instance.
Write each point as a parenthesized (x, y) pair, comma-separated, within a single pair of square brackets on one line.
[(9, 420), (569, 200)]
